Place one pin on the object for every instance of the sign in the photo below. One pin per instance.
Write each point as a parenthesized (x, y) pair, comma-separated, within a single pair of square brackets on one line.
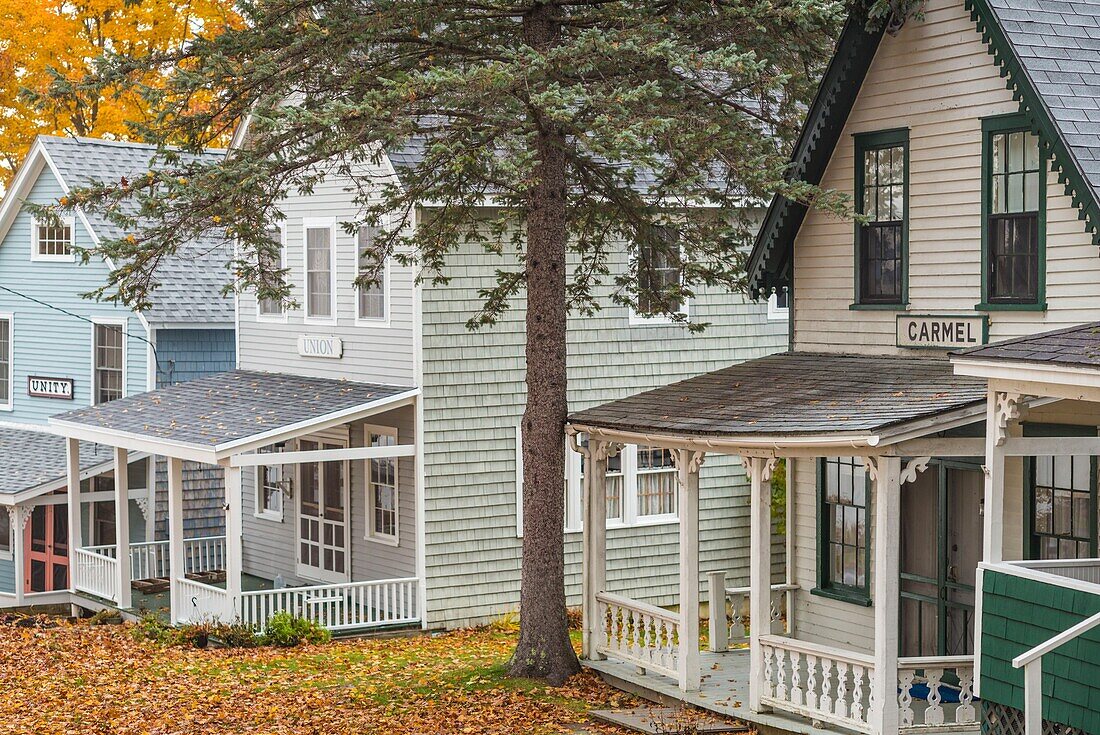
[(944, 332), (330, 347), (60, 388)]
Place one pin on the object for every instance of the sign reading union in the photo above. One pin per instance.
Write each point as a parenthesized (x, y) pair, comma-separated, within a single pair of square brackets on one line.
[(310, 346), (40, 387), (944, 332)]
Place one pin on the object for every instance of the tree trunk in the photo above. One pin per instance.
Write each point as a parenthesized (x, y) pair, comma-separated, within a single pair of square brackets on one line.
[(544, 650)]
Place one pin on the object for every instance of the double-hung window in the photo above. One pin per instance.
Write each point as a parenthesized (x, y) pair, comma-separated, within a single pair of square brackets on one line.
[(882, 193), (1014, 210), (372, 298), (1062, 517), (844, 537), (7, 379), (52, 241), (382, 487), (320, 270), (272, 485), (273, 307), (641, 486), (109, 367), (660, 272)]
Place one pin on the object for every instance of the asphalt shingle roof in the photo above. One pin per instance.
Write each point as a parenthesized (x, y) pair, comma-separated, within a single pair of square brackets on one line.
[(191, 281), (1075, 346), (794, 394), (1058, 44), (30, 459), (218, 409)]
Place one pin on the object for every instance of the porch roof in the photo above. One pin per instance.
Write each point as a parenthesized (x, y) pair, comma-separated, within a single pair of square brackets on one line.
[(796, 395), (211, 418), (34, 462), (1077, 346)]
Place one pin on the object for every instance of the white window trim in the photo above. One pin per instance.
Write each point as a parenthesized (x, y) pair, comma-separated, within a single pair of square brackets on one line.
[(366, 321), (642, 320), (574, 502), (9, 399), (319, 223), (775, 313), (261, 512), (9, 555), (281, 317), (370, 534), (38, 257), (116, 322)]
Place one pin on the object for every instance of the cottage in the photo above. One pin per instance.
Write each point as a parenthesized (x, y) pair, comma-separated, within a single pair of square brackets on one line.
[(942, 529), (59, 350)]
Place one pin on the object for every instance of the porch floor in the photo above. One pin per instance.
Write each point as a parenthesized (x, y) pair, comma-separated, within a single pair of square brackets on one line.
[(724, 690)]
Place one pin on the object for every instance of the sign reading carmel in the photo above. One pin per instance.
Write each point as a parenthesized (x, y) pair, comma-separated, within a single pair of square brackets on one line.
[(941, 331), (40, 387), (310, 346)]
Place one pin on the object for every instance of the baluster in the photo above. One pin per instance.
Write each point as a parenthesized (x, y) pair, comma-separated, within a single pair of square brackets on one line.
[(857, 692), (840, 705), (905, 698), (934, 714), (781, 690), (769, 671), (739, 629), (825, 701), (773, 606), (797, 695), (965, 713), (811, 681)]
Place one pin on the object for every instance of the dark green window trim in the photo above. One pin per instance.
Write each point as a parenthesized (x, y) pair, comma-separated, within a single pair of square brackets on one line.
[(865, 142), (991, 126), (825, 587), (1031, 540)]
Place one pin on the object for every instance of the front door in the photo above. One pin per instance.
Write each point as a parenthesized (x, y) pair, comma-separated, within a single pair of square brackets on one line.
[(323, 516), (46, 548), (941, 545)]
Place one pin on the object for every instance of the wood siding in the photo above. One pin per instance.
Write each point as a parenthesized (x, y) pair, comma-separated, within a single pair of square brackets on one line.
[(473, 401), (936, 79)]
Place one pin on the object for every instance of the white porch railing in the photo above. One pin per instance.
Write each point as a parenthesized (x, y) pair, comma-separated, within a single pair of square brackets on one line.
[(818, 682), (638, 633), (729, 616), (338, 606), (927, 702), (151, 559), (95, 573), (199, 602)]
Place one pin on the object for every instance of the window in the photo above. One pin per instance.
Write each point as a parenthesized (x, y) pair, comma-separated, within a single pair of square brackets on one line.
[(372, 299), (659, 269), (382, 487), (844, 553), (1014, 206), (614, 478), (320, 294), (881, 196), (641, 484), (657, 482), (1064, 513), (779, 304), (272, 485), (52, 242), (274, 307), (109, 357), (7, 392), (5, 534)]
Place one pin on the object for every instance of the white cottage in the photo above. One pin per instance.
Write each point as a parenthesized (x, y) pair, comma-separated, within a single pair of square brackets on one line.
[(943, 514)]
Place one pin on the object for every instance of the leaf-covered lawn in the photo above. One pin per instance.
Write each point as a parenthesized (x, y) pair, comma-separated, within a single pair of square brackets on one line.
[(98, 679)]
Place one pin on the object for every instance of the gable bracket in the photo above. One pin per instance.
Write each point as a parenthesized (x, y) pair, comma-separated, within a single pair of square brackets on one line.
[(1031, 106)]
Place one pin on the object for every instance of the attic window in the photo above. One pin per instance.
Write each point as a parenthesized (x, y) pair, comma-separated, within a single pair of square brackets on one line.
[(52, 241)]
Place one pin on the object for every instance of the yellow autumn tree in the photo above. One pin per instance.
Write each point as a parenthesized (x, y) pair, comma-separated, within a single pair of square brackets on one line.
[(48, 72)]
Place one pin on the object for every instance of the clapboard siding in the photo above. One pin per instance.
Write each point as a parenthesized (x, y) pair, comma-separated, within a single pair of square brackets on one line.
[(473, 400), (382, 354), (50, 342), (936, 79), (7, 575), (270, 546)]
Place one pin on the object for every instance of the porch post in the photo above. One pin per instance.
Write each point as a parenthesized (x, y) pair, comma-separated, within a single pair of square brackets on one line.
[(122, 526), (177, 567), (687, 467), (1001, 409), (16, 514), (760, 573), (233, 541), (594, 547), (72, 466), (885, 473)]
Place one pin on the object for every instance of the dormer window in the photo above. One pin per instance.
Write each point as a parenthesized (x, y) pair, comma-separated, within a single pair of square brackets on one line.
[(52, 241), (1014, 211)]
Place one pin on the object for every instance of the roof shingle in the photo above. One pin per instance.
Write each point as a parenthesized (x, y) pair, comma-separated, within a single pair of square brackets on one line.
[(30, 459)]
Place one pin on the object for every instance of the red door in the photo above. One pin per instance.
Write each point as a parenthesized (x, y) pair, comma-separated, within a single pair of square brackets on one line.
[(46, 544)]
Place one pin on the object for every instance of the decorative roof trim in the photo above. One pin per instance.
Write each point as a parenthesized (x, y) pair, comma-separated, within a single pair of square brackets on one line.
[(768, 267), (1032, 105)]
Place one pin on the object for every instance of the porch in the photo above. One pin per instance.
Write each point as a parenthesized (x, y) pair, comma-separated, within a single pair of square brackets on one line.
[(276, 439)]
